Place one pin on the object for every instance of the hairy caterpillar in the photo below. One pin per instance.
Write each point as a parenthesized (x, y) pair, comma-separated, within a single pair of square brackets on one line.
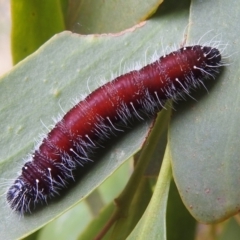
[(89, 123)]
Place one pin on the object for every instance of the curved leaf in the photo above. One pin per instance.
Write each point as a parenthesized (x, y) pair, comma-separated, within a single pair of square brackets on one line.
[(92, 16), (205, 134), (152, 225), (33, 23)]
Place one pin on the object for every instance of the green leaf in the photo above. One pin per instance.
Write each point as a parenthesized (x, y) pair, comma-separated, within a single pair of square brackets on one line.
[(92, 16), (58, 72), (152, 225), (231, 231), (129, 219), (98, 223), (205, 135), (33, 23), (67, 226), (180, 224)]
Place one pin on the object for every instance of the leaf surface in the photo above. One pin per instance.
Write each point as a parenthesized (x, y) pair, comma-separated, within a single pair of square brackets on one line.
[(90, 16), (66, 67), (205, 133)]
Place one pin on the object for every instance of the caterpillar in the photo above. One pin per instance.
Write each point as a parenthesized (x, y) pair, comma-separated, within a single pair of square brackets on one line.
[(108, 109)]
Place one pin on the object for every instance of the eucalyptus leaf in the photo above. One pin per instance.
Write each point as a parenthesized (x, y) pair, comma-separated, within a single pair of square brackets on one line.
[(204, 134), (90, 16), (33, 23), (66, 67), (152, 225)]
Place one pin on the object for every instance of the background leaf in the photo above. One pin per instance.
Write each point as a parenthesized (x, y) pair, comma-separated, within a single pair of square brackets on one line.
[(90, 16), (180, 224), (153, 222), (205, 134), (33, 23)]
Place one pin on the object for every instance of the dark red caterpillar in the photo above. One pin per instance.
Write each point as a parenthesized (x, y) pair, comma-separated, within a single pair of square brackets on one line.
[(106, 110)]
